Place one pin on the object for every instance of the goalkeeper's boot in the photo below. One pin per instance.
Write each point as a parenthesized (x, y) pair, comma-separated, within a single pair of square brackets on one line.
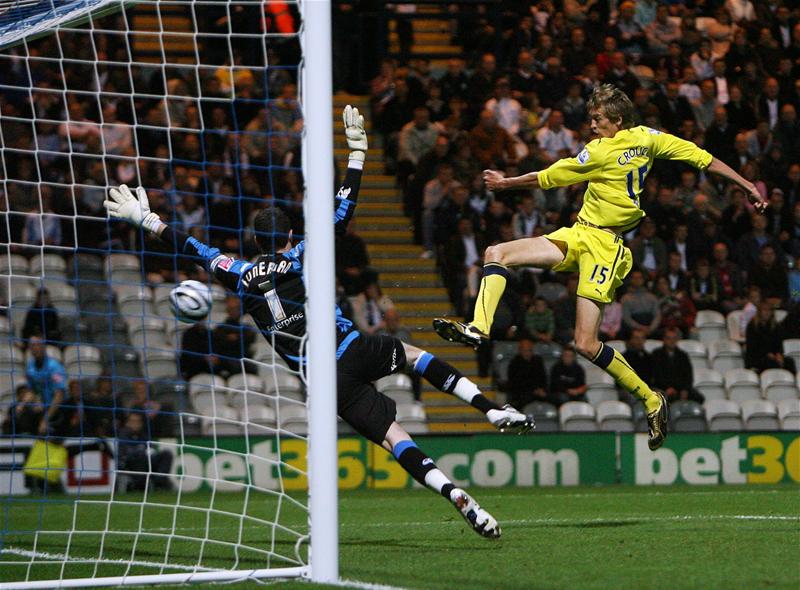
[(481, 521), (454, 331), (509, 419), (657, 421)]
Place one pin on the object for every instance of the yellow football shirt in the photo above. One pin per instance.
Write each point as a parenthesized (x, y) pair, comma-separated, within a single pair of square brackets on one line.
[(616, 168)]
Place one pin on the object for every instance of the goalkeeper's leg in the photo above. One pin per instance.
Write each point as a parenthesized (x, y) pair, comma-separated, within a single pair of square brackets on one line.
[(612, 362), (540, 252), (447, 378), (422, 468)]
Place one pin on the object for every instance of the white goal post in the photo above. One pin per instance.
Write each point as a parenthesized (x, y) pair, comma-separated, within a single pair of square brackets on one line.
[(115, 539)]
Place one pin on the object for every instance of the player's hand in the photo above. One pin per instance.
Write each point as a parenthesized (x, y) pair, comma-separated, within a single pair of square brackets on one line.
[(494, 180), (135, 209), (759, 203), (354, 132)]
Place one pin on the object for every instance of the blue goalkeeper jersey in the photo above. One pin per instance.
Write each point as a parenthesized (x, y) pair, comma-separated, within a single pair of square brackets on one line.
[(272, 288)]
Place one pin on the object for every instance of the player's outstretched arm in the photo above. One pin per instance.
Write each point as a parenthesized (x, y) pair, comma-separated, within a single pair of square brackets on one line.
[(495, 181), (717, 166), (122, 203), (347, 196)]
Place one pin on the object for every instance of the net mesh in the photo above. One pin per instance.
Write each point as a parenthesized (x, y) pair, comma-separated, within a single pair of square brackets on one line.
[(175, 448)]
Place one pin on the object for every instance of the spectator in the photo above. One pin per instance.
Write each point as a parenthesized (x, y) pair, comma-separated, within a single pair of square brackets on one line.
[(639, 306), (527, 378), (729, 279), (611, 323), (483, 80), (677, 278), (393, 326), (42, 319), (703, 287), (764, 342), (42, 228), (197, 352), (736, 218), (629, 33), (573, 106), (491, 145), (770, 276), (740, 113), (720, 137), (99, 409), (555, 140), (751, 243), (540, 323), (462, 264), (435, 192), (769, 103), (672, 370), (527, 218), (567, 379), (676, 308), (564, 310), (233, 340), (662, 31), (48, 379), (352, 261), (369, 308), (673, 107), (638, 357), (620, 74), (417, 138), (507, 110), (649, 251), (25, 414), (136, 455)]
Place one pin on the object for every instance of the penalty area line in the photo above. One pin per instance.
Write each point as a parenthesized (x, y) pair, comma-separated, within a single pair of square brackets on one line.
[(44, 555)]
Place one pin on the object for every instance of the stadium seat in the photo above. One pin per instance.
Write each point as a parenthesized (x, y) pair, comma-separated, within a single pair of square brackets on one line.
[(83, 360), (544, 414), (551, 291), (279, 383), (135, 301), (791, 348), (577, 417), (150, 340), (598, 395), (780, 315), (11, 358), (161, 299), (742, 384), (62, 295), (650, 345), (598, 379), (725, 355), (413, 418), (47, 265), (246, 382), (711, 325), (170, 393), (159, 364), (247, 390), (13, 265), (224, 423), (6, 329), (698, 354), (502, 353), (614, 416), (261, 415), (723, 415), (123, 268), (760, 414), (206, 382), (640, 418), (293, 418), (687, 416), (398, 387), (778, 384), (734, 324), (789, 414), (618, 345)]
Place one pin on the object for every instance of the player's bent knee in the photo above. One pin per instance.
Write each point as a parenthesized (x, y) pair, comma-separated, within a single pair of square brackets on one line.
[(587, 347), (494, 254)]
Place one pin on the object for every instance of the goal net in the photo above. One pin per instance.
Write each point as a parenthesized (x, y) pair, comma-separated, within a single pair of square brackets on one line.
[(135, 448)]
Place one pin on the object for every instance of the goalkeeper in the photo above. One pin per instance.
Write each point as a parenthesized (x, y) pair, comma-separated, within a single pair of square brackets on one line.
[(273, 293), (615, 166)]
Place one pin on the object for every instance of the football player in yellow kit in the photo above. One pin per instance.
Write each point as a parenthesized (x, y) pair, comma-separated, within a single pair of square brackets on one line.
[(615, 166)]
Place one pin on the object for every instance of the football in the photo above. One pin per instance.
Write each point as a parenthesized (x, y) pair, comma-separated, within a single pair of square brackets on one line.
[(190, 301)]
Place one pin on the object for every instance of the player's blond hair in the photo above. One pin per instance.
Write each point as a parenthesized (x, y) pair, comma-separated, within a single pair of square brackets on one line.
[(613, 103)]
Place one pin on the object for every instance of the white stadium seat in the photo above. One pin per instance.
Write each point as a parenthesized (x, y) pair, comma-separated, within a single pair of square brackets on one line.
[(224, 423), (294, 418), (13, 264), (725, 355), (618, 345), (778, 384), (791, 348), (279, 383), (789, 414), (598, 395), (760, 414), (723, 415), (47, 265), (711, 325), (577, 417), (413, 418), (650, 345), (206, 382), (698, 355), (710, 383), (734, 322), (614, 416), (742, 384), (597, 378)]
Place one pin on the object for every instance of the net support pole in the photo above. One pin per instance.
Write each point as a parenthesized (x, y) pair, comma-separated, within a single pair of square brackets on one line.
[(323, 467)]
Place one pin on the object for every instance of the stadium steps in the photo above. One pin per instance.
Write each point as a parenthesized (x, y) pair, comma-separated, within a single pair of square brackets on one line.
[(179, 47), (413, 283), (432, 37)]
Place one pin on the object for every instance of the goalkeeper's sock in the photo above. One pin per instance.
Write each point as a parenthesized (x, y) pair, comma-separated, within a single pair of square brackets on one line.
[(447, 378), (493, 284), (422, 468), (613, 363)]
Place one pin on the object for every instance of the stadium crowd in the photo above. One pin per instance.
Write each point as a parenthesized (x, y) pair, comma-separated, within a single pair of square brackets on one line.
[(722, 74)]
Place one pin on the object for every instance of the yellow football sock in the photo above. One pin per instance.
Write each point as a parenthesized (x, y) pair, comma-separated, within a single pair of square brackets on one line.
[(493, 284), (613, 363)]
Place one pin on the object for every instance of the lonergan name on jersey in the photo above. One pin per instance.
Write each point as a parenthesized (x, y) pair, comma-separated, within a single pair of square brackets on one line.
[(635, 152), (266, 268)]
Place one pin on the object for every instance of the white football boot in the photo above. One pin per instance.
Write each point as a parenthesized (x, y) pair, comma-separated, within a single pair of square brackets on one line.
[(481, 521), (509, 419)]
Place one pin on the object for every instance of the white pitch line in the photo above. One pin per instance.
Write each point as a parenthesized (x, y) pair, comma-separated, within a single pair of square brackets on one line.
[(364, 585), (602, 494), (63, 557)]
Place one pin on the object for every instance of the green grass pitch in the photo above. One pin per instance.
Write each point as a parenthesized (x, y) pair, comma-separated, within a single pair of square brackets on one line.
[(612, 537)]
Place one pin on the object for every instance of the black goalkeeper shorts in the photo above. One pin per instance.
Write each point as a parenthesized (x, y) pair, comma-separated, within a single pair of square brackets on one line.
[(367, 359)]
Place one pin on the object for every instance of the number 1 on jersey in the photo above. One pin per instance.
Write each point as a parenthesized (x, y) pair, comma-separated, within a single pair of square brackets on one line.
[(275, 305), (631, 192)]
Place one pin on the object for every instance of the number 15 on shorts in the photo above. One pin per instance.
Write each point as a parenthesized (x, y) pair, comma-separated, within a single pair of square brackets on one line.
[(599, 274)]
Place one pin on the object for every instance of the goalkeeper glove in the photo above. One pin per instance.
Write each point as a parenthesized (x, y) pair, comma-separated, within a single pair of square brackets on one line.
[(135, 209), (354, 132)]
